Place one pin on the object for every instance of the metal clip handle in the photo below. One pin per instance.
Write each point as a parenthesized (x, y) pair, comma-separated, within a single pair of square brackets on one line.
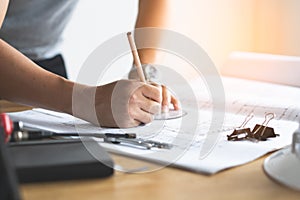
[(138, 143)]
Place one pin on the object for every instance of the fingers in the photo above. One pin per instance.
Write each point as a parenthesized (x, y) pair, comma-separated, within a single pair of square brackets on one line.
[(154, 99), (166, 99), (175, 103), (149, 106), (144, 103), (129, 124), (142, 116), (152, 92)]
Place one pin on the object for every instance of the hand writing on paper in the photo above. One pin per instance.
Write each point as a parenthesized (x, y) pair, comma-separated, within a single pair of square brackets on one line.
[(123, 103), (127, 103), (167, 97)]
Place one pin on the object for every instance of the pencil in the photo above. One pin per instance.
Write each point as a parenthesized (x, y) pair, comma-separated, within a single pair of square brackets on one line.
[(136, 58)]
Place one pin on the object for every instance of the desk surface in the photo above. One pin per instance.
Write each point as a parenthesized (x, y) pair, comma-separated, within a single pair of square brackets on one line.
[(245, 182)]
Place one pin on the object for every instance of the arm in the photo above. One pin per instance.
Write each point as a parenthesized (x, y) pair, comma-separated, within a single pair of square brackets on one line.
[(24, 82), (3, 8), (152, 13), (119, 104)]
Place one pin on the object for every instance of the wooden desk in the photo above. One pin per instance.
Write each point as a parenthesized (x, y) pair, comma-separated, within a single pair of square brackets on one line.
[(244, 182)]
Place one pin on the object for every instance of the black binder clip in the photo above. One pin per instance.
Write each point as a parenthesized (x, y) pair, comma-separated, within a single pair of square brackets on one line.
[(241, 133), (263, 132), (259, 133)]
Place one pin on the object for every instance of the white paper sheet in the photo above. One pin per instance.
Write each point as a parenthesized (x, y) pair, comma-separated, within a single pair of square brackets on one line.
[(242, 97)]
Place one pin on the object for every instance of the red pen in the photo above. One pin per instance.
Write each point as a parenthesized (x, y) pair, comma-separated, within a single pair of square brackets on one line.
[(7, 125)]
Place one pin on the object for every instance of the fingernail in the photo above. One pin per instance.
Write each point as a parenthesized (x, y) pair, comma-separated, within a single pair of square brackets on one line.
[(165, 109)]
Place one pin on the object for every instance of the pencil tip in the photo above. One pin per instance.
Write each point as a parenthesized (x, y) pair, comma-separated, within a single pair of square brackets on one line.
[(128, 33)]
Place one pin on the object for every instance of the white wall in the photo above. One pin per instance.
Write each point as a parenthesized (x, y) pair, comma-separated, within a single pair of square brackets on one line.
[(94, 22), (278, 27), (219, 26)]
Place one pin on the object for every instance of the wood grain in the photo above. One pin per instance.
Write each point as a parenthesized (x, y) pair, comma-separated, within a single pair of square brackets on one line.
[(244, 182)]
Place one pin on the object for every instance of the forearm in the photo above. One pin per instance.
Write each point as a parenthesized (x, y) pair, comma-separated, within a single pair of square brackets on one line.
[(3, 8), (152, 13), (22, 81)]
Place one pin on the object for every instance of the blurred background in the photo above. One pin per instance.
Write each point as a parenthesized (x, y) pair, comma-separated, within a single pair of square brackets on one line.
[(218, 26)]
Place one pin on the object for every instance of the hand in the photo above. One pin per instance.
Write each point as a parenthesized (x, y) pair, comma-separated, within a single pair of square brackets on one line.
[(124, 103), (167, 99), (152, 73)]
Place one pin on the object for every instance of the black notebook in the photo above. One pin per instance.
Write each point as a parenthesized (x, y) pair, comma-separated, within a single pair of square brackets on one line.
[(9, 189), (59, 160)]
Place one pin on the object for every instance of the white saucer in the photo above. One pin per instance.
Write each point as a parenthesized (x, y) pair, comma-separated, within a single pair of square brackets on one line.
[(284, 167)]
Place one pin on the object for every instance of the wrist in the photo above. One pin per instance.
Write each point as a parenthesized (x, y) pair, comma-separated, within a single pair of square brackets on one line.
[(66, 96), (83, 102)]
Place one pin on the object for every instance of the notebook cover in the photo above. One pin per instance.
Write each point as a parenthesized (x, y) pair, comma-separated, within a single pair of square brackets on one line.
[(57, 161), (9, 188)]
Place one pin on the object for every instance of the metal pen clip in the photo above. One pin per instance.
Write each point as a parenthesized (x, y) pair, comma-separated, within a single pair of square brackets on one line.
[(139, 143)]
